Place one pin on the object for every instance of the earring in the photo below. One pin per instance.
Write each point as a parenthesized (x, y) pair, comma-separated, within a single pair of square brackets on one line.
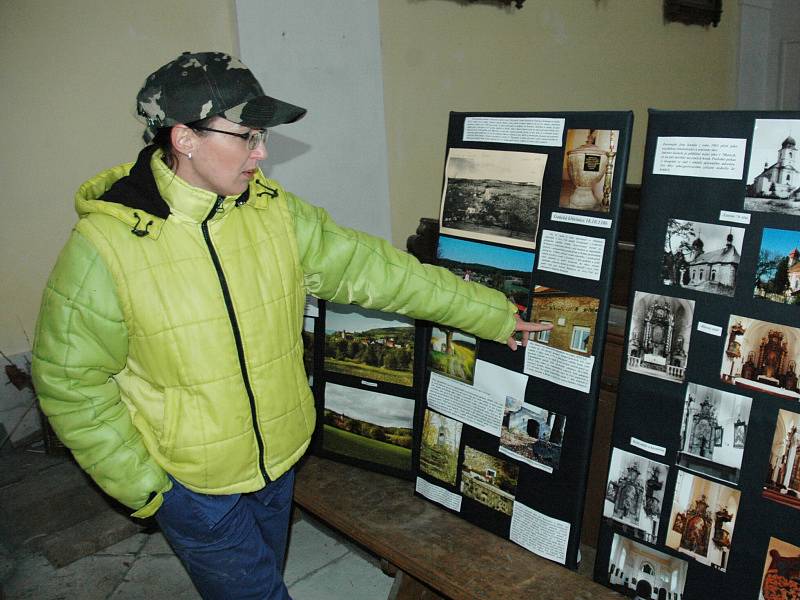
[(190, 156)]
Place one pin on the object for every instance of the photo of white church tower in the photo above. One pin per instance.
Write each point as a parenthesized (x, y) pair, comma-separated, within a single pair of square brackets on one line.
[(781, 179)]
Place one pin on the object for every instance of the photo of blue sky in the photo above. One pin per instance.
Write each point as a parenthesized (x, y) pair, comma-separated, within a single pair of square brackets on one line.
[(484, 254), (781, 241)]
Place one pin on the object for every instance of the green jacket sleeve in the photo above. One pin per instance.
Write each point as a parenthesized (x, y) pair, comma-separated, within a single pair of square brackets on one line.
[(81, 342), (350, 267)]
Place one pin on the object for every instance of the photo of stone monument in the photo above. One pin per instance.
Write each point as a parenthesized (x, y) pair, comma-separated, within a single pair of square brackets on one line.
[(489, 480), (587, 173), (773, 173)]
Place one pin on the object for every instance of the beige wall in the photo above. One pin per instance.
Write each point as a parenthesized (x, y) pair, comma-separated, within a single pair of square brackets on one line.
[(443, 55), (70, 71)]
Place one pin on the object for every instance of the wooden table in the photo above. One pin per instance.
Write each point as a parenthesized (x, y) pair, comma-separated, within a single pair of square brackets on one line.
[(427, 545)]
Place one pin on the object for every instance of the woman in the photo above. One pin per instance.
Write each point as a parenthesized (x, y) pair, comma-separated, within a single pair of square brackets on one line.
[(168, 352)]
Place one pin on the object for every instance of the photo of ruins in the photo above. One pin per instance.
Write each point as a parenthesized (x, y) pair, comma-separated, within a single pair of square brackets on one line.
[(532, 434), (489, 480)]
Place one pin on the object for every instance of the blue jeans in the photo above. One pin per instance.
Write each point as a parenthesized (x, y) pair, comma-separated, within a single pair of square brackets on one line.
[(233, 547)]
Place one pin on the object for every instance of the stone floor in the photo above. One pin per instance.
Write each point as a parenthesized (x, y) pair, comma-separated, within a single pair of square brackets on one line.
[(35, 489)]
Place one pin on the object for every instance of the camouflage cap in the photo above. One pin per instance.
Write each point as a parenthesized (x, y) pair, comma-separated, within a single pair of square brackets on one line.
[(203, 84)]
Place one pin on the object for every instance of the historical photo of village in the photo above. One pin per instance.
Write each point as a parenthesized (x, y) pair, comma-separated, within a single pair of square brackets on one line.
[(631, 561), (587, 173), (780, 578), (369, 426), (782, 484), (369, 344), (489, 480), (778, 267), (761, 356), (438, 453), (713, 432), (659, 333), (573, 317), (493, 195), (505, 269), (532, 434), (702, 257), (635, 493), (452, 353), (773, 173), (702, 519)]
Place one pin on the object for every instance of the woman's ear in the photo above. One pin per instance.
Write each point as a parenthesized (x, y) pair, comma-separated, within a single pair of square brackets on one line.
[(184, 140)]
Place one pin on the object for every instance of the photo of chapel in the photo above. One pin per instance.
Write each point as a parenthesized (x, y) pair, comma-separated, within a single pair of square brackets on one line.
[(631, 561), (659, 333), (701, 256), (713, 432), (573, 318), (774, 170), (702, 519), (761, 356), (778, 267), (782, 484), (635, 493), (588, 169)]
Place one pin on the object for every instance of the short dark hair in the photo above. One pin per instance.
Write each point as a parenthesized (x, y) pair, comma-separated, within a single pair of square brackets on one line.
[(644, 589)]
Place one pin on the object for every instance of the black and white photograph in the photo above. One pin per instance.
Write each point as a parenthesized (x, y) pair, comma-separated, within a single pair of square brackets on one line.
[(782, 484), (532, 434), (587, 173), (702, 257), (773, 173), (778, 266), (489, 480), (761, 356), (493, 195), (659, 333), (713, 432), (438, 452), (780, 579), (631, 562), (635, 493), (702, 519)]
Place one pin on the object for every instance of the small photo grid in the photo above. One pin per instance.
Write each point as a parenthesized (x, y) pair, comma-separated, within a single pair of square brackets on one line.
[(369, 426), (773, 173), (493, 195), (438, 453), (489, 480), (782, 484), (587, 173), (778, 267), (636, 569), (532, 434), (369, 344), (573, 317), (713, 432), (635, 493), (781, 577), (701, 257), (659, 333), (761, 356), (702, 519), (452, 353)]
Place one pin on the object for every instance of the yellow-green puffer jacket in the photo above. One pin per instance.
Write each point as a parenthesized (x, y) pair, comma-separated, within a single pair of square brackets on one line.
[(169, 338)]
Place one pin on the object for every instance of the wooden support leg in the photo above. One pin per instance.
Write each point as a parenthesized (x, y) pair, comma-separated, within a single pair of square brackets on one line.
[(405, 587)]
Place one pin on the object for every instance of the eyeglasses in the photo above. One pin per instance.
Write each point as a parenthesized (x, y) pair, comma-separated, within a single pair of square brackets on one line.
[(253, 137)]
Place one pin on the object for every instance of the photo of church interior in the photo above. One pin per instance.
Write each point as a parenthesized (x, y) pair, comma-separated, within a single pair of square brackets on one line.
[(762, 356), (631, 562), (783, 478)]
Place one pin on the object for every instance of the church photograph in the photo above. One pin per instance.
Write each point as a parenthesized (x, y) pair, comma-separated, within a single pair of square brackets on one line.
[(702, 257), (782, 483), (631, 561), (778, 267), (773, 172)]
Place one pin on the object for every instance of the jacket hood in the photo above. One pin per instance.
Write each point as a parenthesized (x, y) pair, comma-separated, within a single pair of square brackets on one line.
[(145, 193)]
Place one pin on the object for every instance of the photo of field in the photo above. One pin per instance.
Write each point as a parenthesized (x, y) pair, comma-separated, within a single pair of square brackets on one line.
[(369, 344), (505, 269), (369, 426), (438, 453), (452, 354)]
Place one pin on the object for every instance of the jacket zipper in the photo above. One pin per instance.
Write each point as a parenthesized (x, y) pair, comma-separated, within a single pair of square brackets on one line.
[(237, 335)]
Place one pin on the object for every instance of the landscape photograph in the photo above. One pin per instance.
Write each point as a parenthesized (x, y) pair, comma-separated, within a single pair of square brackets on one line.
[(452, 353), (369, 344), (369, 426)]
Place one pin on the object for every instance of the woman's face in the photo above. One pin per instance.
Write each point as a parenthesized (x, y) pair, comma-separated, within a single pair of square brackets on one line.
[(222, 163)]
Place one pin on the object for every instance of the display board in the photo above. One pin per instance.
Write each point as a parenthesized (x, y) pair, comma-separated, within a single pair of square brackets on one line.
[(703, 487), (366, 381), (531, 204)]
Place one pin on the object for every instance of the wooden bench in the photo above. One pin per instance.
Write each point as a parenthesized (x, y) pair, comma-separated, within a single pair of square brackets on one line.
[(434, 552)]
